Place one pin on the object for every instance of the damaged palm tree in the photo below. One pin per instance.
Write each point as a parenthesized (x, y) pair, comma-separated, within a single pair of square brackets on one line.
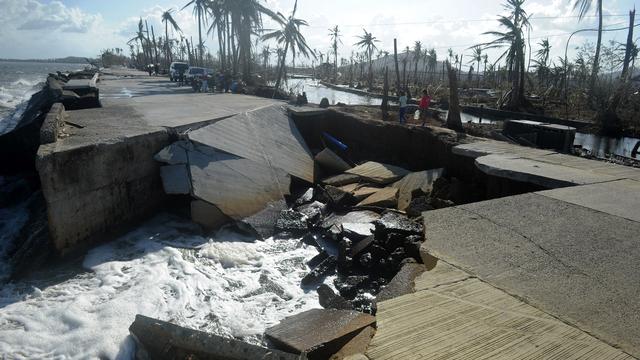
[(454, 122), (607, 117), (385, 95), (289, 36), (368, 43), (513, 38)]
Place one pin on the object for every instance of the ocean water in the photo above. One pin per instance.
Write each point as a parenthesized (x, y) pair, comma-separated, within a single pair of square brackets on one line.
[(20, 80), (224, 284)]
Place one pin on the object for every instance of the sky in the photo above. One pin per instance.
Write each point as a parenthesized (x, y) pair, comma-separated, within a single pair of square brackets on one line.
[(52, 28)]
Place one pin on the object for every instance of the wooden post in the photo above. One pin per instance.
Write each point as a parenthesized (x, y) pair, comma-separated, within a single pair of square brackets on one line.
[(395, 57)]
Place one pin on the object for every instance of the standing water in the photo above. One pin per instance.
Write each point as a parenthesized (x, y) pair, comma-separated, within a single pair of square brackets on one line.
[(316, 91), (227, 285), (20, 80)]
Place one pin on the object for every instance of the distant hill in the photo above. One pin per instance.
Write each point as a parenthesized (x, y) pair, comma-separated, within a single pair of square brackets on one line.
[(65, 60)]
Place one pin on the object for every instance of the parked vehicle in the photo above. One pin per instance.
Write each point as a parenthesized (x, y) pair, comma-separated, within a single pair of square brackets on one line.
[(195, 72), (175, 68)]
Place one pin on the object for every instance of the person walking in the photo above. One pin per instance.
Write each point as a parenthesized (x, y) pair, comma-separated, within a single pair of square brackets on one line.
[(403, 108), (425, 102), (205, 83)]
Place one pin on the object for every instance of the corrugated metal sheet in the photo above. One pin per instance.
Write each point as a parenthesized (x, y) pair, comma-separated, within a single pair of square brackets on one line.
[(378, 172), (466, 318), (265, 136)]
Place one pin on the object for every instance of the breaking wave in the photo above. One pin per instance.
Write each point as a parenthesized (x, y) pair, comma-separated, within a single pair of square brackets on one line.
[(225, 285)]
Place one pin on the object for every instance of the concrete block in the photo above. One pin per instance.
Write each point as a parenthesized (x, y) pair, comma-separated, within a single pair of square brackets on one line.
[(331, 162), (378, 173), (175, 179), (387, 197), (161, 340), (207, 215), (318, 332)]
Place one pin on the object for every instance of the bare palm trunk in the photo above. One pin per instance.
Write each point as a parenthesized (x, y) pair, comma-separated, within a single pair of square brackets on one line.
[(608, 118), (155, 47), (370, 70), (596, 58), (454, 121), (200, 44), (385, 95), (281, 69), (166, 44), (395, 58)]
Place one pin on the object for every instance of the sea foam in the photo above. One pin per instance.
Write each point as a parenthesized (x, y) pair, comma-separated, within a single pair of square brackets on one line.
[(223, 285)]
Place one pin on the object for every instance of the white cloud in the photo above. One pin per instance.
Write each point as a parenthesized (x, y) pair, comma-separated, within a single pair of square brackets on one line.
[(30, 15)]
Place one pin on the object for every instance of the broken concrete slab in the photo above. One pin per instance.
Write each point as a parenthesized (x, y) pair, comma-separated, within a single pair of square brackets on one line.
[(549, 176), (265, 136), (378, 173), (264, 221), (339, 198), (350, 188), (354, 217), (238, 186), (161, 340), (319, 333), (387, 197), (364, 192), (175, 153), (403, 283), (330, 300), (393, 222), (356, 346), (359, 230), (292, 223), (325, 268), (175, 179), (331, 162), (422, 180), (342, 179), (207, 215)]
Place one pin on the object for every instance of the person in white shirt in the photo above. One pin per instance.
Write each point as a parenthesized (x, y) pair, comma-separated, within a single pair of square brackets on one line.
[(403, 108)]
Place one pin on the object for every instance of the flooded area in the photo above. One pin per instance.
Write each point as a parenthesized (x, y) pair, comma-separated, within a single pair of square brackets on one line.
[(315, 92), (226, 284)]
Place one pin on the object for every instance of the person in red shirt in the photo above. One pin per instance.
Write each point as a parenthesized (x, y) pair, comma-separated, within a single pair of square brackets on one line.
[(425, 101)]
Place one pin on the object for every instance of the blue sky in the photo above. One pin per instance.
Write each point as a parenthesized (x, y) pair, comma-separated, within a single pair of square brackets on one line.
[(51, 28)]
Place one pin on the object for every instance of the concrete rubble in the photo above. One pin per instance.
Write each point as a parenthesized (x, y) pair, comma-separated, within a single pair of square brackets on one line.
[(318, 333), (159, 340)]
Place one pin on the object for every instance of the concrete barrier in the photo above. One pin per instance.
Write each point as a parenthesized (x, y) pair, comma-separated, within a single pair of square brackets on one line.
[(52, 123), (98, 189)]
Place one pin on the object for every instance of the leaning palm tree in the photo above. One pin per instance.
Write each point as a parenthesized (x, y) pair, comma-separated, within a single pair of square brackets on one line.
[(583, 7), (199, 9), (368, 43), (542, 60), (167, 18), (334, 33), (513, 39), (289, 36)]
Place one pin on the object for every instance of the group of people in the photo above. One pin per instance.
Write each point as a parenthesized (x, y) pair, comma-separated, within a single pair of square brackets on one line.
[(425, 102)]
